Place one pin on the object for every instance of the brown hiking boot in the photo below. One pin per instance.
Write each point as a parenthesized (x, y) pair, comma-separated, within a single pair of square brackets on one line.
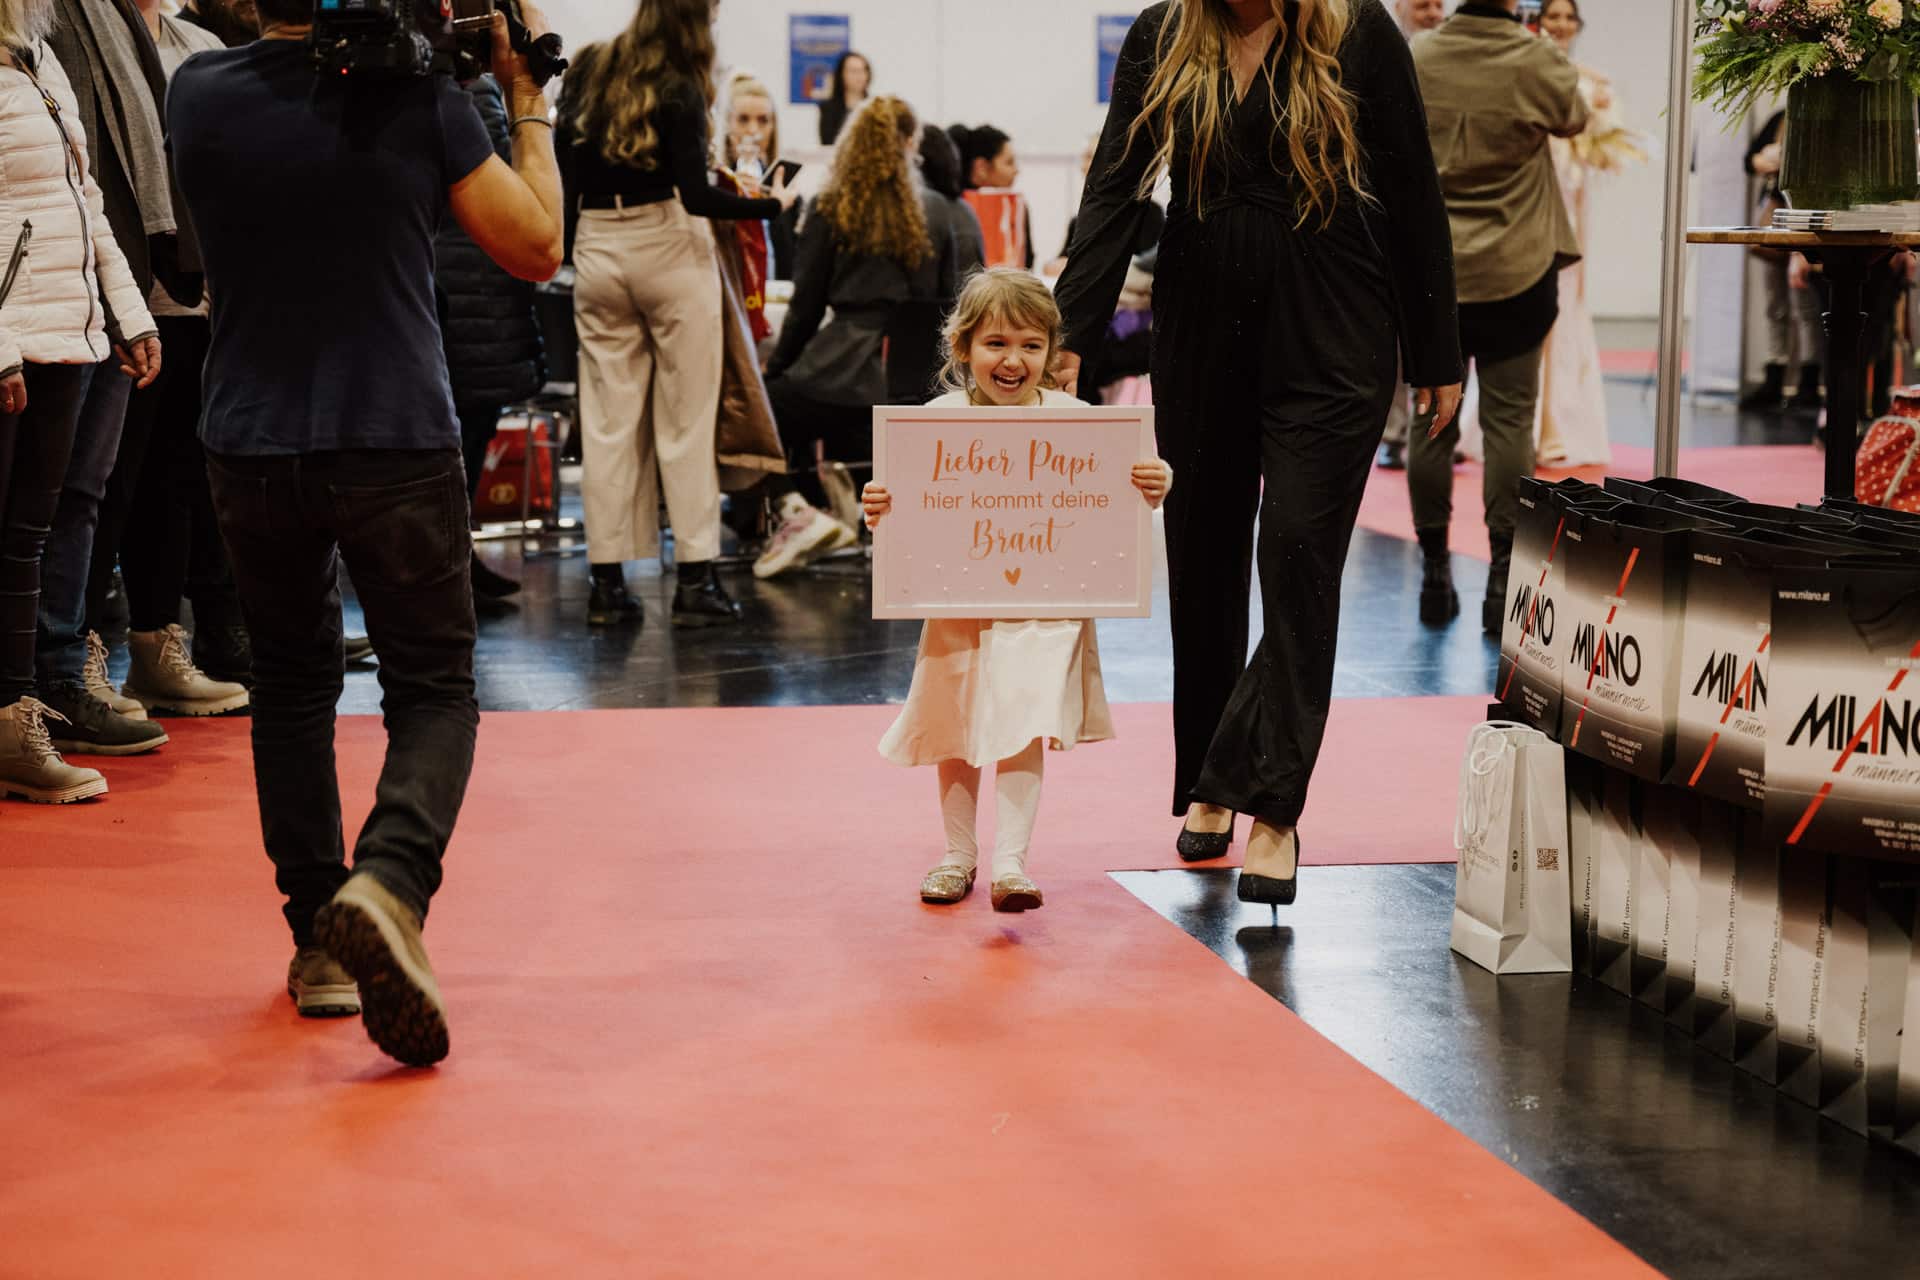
[(30, 768), (320, 987), (376, 938), (162, 676)]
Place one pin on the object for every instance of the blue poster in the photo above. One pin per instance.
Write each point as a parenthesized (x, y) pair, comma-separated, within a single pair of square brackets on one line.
[(815, 42), (1110, 32)]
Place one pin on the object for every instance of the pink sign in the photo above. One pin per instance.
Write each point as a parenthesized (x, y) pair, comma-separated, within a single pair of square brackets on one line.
[(1012, 513)]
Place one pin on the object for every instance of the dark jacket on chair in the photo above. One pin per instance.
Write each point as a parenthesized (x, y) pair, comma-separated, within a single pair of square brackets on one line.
[(493, 346)]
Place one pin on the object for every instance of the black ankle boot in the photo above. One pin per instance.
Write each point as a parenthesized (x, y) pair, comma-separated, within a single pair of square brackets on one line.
[(1770, 396), (1439, 602), (488, 583), (1493, 609), (1807, 394), (610, 605), (699, 600)]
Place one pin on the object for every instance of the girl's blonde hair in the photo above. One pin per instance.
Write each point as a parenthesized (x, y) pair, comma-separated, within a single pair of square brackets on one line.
[(872, 201), (741, 86), (1005, 295), (1192, 83), (622, 84)]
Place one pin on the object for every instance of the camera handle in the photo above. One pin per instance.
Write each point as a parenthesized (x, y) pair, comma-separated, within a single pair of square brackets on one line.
[(544, 57)]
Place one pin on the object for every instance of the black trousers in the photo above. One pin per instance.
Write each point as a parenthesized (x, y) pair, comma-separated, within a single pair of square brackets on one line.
[(1275, 358), (478, 426), (156, 518), (35, 447), (399, 521), (841, 433)]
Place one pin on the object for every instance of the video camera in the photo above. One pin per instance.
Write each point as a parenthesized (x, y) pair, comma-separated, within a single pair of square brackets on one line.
[(394, 38)]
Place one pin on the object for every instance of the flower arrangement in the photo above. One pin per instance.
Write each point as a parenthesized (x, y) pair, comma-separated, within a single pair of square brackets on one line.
[(1749, 49)]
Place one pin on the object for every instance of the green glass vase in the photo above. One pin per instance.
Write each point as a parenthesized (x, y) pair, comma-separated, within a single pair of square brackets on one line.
[(1849, 142)]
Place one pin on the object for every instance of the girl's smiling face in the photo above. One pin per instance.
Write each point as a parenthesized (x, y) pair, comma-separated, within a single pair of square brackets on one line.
[(1008, 361)]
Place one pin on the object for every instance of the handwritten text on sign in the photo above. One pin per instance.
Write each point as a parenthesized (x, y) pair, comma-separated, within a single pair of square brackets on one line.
[(1012, 513)]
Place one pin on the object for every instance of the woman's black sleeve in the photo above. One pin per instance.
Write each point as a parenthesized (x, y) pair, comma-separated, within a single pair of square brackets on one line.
[(1107, 226), (812, 274), (685, 138), (1401, 171)]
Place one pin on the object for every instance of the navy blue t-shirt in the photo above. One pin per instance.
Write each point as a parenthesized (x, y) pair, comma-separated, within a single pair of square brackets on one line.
[(316, 204)]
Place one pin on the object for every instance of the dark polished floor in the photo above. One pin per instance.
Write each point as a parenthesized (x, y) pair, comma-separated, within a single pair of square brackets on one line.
[(1700, 1169)]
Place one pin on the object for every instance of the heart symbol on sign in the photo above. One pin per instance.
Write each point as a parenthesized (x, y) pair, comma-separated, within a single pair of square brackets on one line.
[(1013, 577)]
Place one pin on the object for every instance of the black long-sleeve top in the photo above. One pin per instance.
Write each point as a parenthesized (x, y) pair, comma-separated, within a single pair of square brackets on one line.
[(1407, 219), (680, 163)]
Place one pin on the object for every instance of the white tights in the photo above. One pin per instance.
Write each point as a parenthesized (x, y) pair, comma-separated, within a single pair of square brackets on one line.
[(1017, 792)]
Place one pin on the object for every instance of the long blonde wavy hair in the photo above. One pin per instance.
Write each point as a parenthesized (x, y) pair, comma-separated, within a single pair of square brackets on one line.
[(999, 295), (871, 201), (624, 82), (1193, 83)]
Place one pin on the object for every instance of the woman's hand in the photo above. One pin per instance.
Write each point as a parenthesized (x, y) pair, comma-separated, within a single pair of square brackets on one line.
[(1441, 402), (780, 191), (876, 502), (13, 393), (1066, 372), (1153, 478), (1799, 272), (140, 360)]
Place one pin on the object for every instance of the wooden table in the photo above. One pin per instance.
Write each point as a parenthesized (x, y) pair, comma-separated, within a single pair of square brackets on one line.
[(1846, 257)]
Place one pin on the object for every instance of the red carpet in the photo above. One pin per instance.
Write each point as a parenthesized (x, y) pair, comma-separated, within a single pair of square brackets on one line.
[(701, 1028), (1780, 474)]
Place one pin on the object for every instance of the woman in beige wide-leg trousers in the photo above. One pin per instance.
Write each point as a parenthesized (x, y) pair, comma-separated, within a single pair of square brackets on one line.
[(647, 305)]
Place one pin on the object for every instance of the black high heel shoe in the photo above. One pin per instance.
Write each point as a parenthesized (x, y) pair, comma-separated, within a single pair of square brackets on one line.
[(1204, 846), (1271, 891)]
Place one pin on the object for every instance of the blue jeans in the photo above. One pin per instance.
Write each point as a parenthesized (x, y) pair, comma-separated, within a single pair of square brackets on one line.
[(399, 521), (62, 651)]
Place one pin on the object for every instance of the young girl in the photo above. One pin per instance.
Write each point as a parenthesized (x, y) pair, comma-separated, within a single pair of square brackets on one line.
[(999, 691)]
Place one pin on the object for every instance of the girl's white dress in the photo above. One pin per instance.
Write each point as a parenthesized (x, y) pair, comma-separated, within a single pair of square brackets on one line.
[(983, 689)]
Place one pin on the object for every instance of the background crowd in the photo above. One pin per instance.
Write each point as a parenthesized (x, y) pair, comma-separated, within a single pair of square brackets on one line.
[(697, 414)]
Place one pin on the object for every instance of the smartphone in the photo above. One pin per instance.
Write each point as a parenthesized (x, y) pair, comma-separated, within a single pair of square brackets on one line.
[(785, 170), (1530, 12)]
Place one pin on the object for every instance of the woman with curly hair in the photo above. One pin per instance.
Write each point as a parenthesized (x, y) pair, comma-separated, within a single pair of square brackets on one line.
[(633, 142), (1306, 245), (865, 249)]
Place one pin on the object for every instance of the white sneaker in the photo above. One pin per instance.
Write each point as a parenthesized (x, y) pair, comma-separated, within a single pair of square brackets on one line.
[(805, 532), (94, 676), (164, 678), (843, 497)]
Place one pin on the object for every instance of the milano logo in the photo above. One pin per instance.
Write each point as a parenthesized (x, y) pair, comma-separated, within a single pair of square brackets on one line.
[(1609, 656), (1720, 682), (1835, 723), (1540, 622)]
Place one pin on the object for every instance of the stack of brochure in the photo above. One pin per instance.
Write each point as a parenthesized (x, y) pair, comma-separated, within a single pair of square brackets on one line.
[(1867, 217)]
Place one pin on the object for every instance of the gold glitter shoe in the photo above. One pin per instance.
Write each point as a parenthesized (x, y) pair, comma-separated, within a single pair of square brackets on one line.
[(947, 883), (1016, 893)]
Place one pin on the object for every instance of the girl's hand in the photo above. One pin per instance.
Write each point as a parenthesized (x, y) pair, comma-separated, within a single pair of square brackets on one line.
[(1441, 402), (876, 502), (1153, 478), (13, 394)]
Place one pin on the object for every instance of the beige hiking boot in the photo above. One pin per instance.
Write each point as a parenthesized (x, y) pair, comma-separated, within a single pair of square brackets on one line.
[(320, 987), (29, 766), (376, 938), (163, 677), (94, 676)]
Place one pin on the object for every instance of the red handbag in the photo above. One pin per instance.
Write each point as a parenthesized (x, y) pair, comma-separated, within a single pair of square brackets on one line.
[(1887, 470), (505, 472)]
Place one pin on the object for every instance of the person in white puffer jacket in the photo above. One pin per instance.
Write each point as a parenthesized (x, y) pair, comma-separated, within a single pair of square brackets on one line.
[(67, 302)]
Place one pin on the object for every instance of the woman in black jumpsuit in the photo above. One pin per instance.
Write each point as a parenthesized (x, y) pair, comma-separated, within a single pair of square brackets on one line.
[(1274, 363)]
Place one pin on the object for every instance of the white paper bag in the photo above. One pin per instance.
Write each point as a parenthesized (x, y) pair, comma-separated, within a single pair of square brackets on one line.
[(1512, 905), (1616, 871)]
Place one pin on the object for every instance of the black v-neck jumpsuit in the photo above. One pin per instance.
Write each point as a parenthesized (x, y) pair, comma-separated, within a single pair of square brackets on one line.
[(1273, 366)]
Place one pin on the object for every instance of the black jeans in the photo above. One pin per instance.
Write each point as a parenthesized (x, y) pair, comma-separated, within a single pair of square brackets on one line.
[(156, 520), (843, 433), (478, 426), (35, 447), (399, 520)]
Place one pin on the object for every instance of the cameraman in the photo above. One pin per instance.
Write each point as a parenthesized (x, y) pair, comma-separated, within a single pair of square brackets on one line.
[(330, 434)]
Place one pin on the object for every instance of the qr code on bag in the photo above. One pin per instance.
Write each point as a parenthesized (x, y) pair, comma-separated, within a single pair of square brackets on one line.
[(1546, 859)]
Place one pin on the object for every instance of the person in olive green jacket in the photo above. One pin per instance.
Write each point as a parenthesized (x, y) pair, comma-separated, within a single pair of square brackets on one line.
[(1494, 94)]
